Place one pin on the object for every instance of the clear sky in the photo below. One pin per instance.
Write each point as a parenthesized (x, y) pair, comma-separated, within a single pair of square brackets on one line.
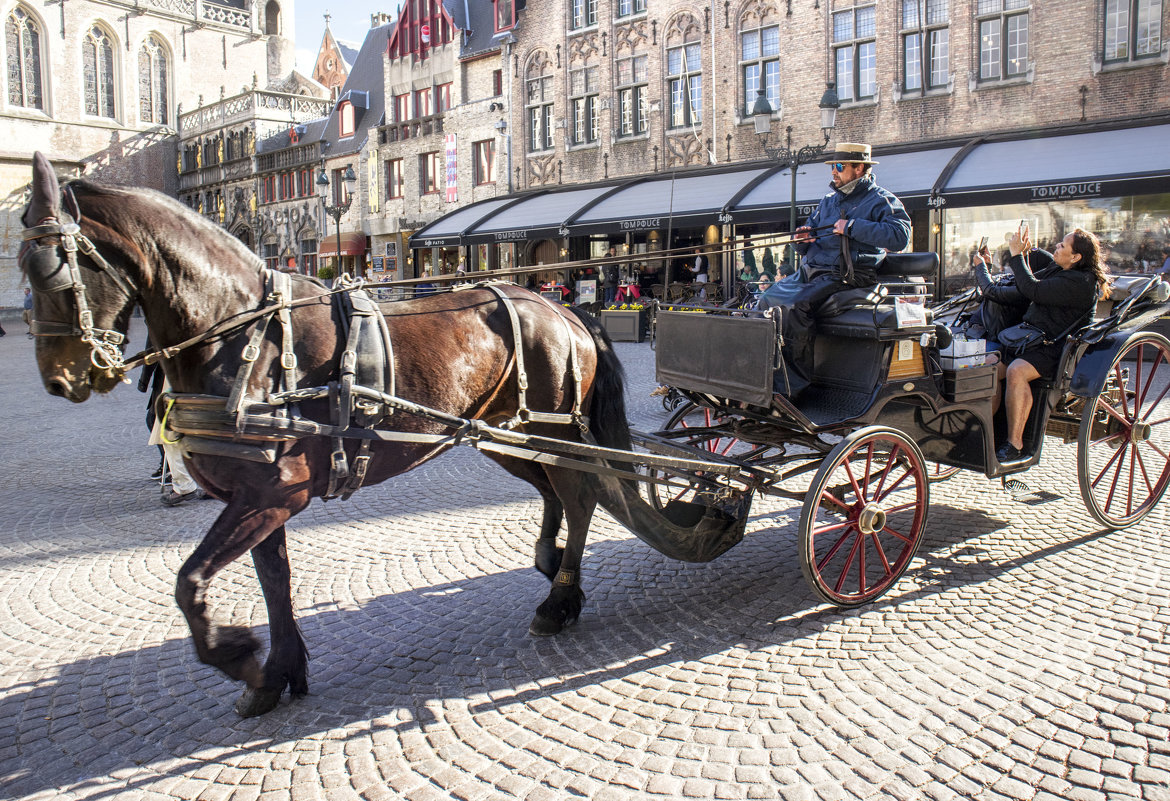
[(349, 21)]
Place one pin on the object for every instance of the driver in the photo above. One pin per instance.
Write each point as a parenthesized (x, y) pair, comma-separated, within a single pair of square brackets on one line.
[(866, 221)]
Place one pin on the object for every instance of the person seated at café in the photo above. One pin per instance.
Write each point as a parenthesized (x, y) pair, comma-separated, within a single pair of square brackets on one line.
[(1057, 303)]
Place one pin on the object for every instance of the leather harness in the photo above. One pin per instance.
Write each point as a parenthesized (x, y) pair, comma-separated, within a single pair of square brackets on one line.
[(363, 395)]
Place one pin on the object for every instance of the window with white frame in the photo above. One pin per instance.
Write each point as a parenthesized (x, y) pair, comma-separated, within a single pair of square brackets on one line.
[(583, 97), (855, 53), (23, 38), (1003, 38), (626, 8), (1133, 30), (759, 60), (685, 85), (926, 41), (97, 59), (631, 91), (483, 161), (539, 108), (582, 14)]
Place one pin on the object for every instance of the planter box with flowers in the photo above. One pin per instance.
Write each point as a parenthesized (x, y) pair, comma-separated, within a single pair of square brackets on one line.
[(625, 323)]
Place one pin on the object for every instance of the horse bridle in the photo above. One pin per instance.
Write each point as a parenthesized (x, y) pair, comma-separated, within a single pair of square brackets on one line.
[(65, 275)]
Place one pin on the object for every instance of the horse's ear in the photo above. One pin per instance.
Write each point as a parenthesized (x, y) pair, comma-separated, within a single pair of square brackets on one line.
[(46, 192)]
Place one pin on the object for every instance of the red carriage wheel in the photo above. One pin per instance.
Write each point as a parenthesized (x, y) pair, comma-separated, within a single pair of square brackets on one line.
[(710, 435), (1123, 448), (864, 516)]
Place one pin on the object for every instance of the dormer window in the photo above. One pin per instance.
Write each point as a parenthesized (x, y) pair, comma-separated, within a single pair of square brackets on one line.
[(345, 119), (505, 14)]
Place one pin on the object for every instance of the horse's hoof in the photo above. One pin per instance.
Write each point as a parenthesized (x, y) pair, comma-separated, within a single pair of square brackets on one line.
[(253, 702), (545, 626)]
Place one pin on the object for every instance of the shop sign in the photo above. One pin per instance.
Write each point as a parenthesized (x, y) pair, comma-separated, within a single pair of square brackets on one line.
[(1056, 191), (640, 225)]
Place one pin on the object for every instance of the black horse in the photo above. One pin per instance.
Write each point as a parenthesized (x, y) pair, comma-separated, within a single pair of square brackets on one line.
[(453, 352)]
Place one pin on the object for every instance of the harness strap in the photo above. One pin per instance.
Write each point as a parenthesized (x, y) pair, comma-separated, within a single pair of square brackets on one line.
[(523, 415), (235, 402), (282, 296), (575, 367)]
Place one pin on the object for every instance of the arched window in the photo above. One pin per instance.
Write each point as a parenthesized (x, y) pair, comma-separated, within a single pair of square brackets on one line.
[(97, 55), (345, 119), (272, 18), (684, 72), (153, 82), (759, 57), (23, 37), (538, 102)]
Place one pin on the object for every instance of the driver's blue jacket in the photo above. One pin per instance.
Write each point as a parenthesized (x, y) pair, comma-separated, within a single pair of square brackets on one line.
[(878, 222)]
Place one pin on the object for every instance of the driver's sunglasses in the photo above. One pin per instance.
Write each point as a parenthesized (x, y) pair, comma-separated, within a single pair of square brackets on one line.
[(839, 166)]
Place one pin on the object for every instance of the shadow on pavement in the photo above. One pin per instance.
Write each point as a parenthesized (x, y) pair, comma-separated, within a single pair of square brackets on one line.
[(401, 659)]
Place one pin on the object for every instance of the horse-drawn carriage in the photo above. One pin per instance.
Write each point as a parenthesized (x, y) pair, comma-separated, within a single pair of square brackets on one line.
[(888, 415), (285, 390)]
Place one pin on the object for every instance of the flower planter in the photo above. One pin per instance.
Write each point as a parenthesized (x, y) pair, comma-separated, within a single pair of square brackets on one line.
[(625, 325)]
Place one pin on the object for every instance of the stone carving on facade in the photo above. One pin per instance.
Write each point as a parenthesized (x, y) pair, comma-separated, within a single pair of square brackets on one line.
[(542, 170), (581, 48), (757, 14), (682, 151), (683, 28), (630, 37)]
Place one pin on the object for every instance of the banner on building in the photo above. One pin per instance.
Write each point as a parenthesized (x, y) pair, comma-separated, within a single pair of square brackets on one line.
[(452, 169)]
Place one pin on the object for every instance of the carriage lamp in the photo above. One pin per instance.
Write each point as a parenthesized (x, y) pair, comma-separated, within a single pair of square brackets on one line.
[(786, 153), (349, 178)]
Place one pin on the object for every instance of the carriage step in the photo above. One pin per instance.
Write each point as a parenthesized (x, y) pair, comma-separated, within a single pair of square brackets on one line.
[(1021, 493)]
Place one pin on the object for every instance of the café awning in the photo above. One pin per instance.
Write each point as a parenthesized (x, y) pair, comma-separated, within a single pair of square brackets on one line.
[(982, 171), (351, 245), (1125, 161)]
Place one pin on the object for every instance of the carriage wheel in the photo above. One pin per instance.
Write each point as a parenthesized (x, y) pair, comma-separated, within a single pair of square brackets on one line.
[(694, 416), (937, 471), (1123, 449), (864, 516)]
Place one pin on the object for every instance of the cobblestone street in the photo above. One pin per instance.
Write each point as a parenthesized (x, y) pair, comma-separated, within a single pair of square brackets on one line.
[(1022, 656)]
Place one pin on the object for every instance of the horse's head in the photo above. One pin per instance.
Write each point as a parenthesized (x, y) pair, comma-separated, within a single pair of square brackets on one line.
[(81, 303)]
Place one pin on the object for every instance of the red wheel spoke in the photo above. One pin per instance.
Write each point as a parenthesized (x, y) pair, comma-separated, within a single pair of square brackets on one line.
[(1121, 385), (1159, 422), (895, 533), (1137, 457), (1140, 400), (1116, 455), (1125, 421), (833, 527), (833, 551), (1129, 487), (877, 545), (830, 496), (848, 562), (894, 486), (1161, 397), (877, 492), (1159, 451), (849, 472), (861, 565), (1116, 477)]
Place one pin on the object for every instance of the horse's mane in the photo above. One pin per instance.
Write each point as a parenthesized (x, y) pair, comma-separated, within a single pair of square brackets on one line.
[(158, 223)]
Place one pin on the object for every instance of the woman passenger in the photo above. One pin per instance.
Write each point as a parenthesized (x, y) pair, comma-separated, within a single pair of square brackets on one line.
[(1058, 301)]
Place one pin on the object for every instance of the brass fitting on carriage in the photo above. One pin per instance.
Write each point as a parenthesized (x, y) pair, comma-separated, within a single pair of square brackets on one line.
[(567, 578)]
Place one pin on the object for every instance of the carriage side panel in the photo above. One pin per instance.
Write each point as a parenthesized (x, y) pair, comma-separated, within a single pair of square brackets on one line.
[(732, 357)]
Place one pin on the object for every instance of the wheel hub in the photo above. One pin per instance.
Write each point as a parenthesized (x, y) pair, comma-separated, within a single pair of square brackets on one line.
[(1140, 432), (871, 519)]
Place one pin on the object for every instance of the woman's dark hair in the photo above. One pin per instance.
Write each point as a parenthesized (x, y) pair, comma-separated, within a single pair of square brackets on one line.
[(1086, 245)]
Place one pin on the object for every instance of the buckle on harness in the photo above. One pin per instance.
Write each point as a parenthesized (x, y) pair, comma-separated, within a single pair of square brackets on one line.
[(288, 361), (251, 353), (338, 462)]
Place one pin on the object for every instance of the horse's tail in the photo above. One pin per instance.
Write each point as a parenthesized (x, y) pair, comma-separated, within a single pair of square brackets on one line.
[(607, 413)]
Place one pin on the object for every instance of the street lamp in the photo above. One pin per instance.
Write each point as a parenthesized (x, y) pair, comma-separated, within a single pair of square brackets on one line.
[(786, 154), (336, 211)]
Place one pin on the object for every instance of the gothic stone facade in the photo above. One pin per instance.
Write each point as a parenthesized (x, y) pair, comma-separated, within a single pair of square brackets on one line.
[(98, 87)]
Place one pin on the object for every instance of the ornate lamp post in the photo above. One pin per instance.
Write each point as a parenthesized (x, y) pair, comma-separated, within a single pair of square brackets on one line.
[(786, 154), (336, 211)]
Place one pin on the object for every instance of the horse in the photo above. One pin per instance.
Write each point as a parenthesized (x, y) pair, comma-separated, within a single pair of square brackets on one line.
[(93, 252)]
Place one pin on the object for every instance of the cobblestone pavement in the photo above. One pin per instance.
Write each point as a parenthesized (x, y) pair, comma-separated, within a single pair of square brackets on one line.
[(1023, 656)]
